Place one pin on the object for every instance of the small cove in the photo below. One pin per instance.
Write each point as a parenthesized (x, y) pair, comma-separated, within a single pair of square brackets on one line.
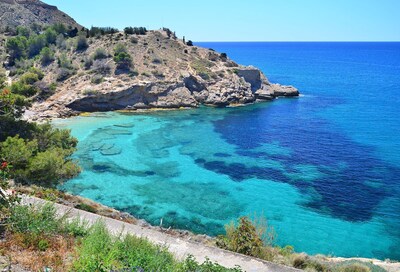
[(322, 168)]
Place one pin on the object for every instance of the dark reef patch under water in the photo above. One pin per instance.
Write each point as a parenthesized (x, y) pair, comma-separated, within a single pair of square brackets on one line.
[(348, 169)]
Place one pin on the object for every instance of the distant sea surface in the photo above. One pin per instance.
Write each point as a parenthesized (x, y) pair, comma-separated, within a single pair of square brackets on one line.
[(324, 168)]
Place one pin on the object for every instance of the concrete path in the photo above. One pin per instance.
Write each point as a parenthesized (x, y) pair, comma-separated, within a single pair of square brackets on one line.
[(179, 247)]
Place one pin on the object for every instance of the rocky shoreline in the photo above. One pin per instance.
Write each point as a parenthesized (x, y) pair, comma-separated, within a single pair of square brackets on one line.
[(244, 85)]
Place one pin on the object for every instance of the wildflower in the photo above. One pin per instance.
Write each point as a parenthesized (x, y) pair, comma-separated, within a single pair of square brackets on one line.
[(4, 165)]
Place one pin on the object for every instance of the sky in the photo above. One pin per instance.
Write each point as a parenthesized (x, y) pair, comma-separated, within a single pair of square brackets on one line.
[(247, 20)]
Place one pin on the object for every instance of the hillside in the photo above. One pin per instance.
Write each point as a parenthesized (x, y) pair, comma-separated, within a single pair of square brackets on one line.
[(28, 12), (103, 69)]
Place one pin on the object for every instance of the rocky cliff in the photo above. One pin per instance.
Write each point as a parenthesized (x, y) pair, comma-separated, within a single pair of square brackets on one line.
[(27, 12)]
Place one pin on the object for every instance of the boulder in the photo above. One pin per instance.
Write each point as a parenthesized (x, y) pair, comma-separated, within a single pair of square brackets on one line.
[(278, 90)]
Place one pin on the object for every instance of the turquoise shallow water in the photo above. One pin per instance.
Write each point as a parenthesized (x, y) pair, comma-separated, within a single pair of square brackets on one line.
[(322, 168)]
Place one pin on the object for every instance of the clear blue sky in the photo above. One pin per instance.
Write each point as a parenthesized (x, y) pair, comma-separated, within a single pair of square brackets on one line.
[(247, 20)]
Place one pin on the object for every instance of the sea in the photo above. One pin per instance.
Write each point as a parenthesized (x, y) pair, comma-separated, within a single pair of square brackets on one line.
[(322, 168)]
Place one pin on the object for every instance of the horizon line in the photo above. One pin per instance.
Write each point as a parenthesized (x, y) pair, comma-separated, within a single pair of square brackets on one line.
[(298, 41)]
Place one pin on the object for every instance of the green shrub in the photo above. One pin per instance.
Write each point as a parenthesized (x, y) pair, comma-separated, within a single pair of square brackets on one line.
[(16, 47), (36, 28), (25, 85), (128, 30), (135, 30), (64, 62), (50, 167), (120, 48), (60, 42), (287, 250), (53, 87), (243, 238), (43, 159), (29, 78), (123, 60), (34, 219), (23, 89), (90, 92), (23, 65), (99, 251), (191, 265), (60, 28), (81, 43), (36, 44), (97, 79), (42, 220), (202, 68), (23, 31), (43, 245), (76, 227), (46, 56), (66, 68), (99, 31), (100, 53), (12, 106), (17, 151), (49, 137), (87, 63), (250, 237), (50, 35), (36, 71)]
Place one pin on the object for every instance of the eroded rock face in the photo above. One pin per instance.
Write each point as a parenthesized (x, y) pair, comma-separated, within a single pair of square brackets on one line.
[(239, 87), (230, 90), (252, 76), (137, 97)]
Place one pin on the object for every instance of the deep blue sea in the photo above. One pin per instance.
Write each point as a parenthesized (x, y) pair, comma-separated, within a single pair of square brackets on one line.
[(324, 168)]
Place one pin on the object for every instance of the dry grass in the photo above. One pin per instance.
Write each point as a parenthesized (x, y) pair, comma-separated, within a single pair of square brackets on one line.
[(58, 255)]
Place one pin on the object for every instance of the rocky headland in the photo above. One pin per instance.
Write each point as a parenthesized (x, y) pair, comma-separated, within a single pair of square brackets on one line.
[(165, 72)]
